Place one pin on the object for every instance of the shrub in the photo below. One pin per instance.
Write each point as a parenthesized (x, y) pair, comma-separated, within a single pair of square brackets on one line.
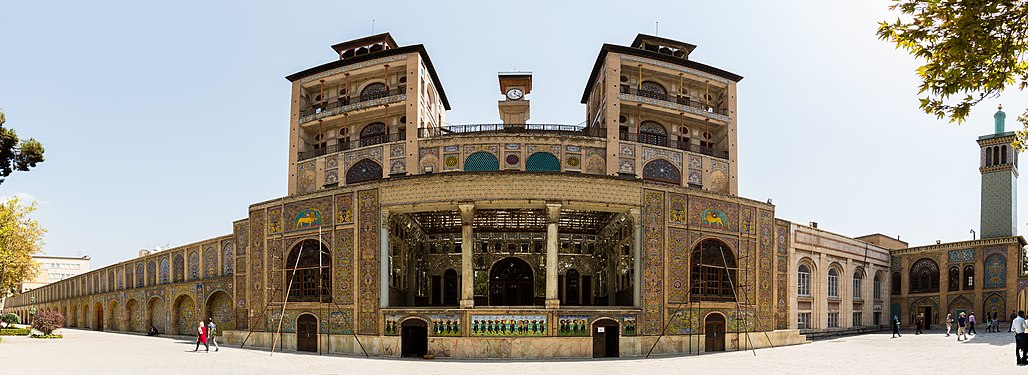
[(47, 321), (51, 336), (10, 318), (14, 331)]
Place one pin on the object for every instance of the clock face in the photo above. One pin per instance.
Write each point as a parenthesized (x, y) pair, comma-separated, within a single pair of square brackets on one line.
[(515, 94)]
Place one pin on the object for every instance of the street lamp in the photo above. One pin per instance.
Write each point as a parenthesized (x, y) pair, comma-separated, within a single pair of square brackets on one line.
[(32, 310)]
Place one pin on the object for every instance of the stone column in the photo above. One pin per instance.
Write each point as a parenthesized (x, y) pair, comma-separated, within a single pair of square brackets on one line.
[(467, 275), (552, 218)]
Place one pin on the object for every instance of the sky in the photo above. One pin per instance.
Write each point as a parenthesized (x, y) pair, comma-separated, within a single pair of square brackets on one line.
[(164, 121)]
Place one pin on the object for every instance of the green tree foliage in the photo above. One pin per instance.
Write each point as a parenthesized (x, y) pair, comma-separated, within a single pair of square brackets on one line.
[(17, 154), (20, 237), (47, 321), (10, 318), (971, 49)]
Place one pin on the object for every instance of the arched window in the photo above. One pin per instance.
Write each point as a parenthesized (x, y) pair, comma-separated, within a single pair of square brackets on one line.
[(364, 170), (652, 132), (307, 271), (833, 283), (968, 277), (858, 285), (924, 276), (374, 91), (1003, 154), (988, 156), (713, 271), (653, 90), (896, 279), (995, 155), (803, 281), (373, 133), (878, 287), (542, 162), (663, 171), (954, 279), (481, 161)]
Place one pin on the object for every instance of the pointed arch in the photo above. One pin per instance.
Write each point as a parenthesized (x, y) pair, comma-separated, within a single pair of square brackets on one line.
[(363, 171)]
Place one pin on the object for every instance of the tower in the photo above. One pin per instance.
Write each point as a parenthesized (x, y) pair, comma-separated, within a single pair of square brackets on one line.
[(999, 181), (514, 109)]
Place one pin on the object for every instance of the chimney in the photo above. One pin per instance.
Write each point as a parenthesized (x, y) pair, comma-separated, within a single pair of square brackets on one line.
[(813, 224), (144, 252)]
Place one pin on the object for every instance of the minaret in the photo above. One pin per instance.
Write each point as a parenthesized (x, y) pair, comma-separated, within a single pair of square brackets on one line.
[(999, 181)]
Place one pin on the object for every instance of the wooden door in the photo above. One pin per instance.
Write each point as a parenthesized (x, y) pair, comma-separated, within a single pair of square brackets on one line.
[(714, 329), (307, 333)]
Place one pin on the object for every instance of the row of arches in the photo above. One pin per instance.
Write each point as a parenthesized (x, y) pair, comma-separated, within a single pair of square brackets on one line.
[(137, 316), (995, 155)]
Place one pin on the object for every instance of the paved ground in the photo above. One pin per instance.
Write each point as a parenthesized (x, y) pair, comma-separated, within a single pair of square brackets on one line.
[(86, 352)]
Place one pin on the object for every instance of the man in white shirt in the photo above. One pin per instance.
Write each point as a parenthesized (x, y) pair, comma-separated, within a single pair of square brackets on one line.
[(1020, 338)]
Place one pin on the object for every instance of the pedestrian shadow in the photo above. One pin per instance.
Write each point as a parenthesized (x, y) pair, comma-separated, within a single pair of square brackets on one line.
[(990, 338)]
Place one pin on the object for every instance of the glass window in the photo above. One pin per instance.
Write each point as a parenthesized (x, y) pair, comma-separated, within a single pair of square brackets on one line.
[(878, 289), (803, 320), (833, 283), (858, 319), (803, 281), (858, 285), (833, 320)]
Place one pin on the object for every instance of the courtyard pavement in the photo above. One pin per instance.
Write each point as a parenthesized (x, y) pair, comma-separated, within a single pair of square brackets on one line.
[(87, 352)]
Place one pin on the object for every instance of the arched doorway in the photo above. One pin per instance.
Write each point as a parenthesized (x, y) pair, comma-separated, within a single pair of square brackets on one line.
[(132, 316), (84, 315), (714, 330), (510, 283), (156, 315), (98, 316), (450, 286), (73, 313), (112, 317), (219, 309), (571, 288), (184, 316), (413, 338), (307, 333), (605, 338)]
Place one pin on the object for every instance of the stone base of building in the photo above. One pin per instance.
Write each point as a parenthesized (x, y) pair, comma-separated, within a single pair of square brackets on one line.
[(521, 348)]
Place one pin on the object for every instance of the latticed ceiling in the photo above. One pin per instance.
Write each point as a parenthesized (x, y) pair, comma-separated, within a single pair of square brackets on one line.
[(513, 220)]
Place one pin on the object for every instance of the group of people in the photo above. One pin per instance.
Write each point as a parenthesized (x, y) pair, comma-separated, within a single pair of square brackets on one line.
[(205, 334), (965, 325)]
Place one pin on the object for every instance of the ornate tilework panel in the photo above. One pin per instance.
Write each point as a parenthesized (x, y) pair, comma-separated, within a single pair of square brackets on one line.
[(677, 212), (275, 263), (995, 303), (678, 269), (344, 208), (626, 166), (178, 267), (995, 271), (140, 274), (368, 239), (627, 150), (256, 272), (398, 166), (275, 220), (210, 261), (372, 153), (782, 243), (451, 162), (653, 262), (165, 270), (228, 253), (342, 267), (695, 177), (308, 214), (573, 161), (305, 175), (747, 223), (507, 325), (650, 153), (512, 160), (714, 214), (194, 264), (242, 237), (331, 176), (397, 150), (765, 283), (695, 162), (151, 270), (957, 256)]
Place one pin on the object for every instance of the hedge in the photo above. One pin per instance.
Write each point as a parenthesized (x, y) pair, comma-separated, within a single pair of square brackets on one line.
[(51, 336), (14, 331)]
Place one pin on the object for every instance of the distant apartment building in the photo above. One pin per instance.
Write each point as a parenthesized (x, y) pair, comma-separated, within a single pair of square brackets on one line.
[(54, 268)]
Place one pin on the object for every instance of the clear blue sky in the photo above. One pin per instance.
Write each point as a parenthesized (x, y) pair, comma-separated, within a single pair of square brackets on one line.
[(163, 121)]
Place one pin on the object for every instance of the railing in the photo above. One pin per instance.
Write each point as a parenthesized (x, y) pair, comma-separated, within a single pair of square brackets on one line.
[(551, 129), (328, 106), (681, 100), (663, 141), (343, 146)]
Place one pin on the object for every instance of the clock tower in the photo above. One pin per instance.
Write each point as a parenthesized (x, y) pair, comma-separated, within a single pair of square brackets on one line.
[(514, 107), (998, 162)]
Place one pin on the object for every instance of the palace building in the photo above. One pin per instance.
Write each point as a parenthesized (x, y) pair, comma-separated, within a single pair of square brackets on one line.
[(403, 235)]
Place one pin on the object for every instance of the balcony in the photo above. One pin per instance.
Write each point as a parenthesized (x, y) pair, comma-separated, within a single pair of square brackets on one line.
[(352, 103), (663, 141), (537, 129), (680, 103), (364, 142)]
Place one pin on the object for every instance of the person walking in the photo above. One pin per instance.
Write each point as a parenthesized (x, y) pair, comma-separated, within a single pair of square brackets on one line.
[(212, 333), (1020, 339), (949, 323), (961, 327), (970, 324), (995, 321), (919, 323), (896, 326), (201, 337)]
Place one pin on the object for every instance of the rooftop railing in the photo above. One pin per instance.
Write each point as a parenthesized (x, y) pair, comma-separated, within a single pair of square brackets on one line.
[(328, 108), (343, 146), (552, 129), (663, 141), (676, 99)]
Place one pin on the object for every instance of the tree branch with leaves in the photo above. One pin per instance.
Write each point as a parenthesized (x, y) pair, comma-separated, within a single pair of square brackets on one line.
[(972, 50), (17, 154), (20, 238)]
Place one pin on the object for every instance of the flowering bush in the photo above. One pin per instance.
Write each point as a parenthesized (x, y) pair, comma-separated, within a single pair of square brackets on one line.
[(47, 321)]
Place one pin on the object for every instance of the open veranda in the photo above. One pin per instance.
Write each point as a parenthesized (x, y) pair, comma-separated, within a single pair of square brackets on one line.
[(89, 352)]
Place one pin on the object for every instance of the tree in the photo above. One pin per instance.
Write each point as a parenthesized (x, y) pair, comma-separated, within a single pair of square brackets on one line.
[(20, 237), (47, 321), (10, 318), (17, 154), (972, 50)]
